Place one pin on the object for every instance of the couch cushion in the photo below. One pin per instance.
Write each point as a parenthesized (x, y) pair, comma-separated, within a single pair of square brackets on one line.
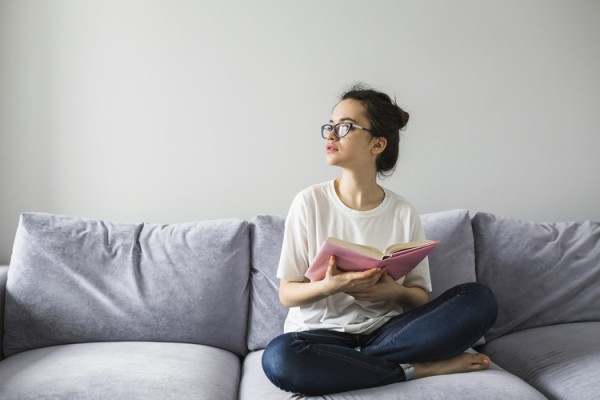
[(453, 261), (121, 370), (74, 280), (3, 276), (541, 273), (493, 384), (267, 315), (561, 361)]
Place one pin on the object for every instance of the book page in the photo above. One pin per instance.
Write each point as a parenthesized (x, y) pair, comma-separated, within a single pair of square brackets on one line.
[(361, 248), (394, 248)]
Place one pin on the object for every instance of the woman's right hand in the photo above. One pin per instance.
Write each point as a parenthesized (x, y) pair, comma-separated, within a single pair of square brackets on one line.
[(337, 281)]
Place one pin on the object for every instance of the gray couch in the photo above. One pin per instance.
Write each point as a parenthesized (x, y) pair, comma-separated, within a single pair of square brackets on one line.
[(101, 310)]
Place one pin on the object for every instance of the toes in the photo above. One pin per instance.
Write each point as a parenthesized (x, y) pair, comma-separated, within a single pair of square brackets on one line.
[(481, 361)]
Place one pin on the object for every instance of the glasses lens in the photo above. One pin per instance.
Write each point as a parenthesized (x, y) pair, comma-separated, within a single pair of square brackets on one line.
[(326, 130), (342, 129)]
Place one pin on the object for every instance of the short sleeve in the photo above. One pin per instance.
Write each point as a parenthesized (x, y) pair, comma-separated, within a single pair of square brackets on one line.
[(293, 261)]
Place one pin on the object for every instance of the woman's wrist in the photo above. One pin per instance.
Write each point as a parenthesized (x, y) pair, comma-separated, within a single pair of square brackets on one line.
[(327, 287), (411, 297), (295, 294)]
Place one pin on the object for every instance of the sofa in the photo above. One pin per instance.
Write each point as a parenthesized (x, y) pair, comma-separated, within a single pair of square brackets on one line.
[(94, 309)]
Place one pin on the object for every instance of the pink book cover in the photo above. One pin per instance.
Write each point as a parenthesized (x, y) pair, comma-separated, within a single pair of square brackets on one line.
[(397, 265)]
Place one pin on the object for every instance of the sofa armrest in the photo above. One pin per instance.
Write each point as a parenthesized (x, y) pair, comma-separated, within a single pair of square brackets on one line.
[(3, 276)]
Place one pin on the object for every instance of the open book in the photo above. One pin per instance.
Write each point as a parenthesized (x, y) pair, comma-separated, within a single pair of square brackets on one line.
[(397, 259)]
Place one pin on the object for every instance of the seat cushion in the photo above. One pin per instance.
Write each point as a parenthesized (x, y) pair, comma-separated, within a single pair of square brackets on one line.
[(493, 384), (74, 280), (561, 361), (541, 273), (121, 370)]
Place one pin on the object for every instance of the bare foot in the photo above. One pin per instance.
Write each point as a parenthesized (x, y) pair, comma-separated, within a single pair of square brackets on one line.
[(465, 362)]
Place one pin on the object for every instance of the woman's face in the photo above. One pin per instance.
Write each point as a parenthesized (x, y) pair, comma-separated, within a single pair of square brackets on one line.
[(354, 149)]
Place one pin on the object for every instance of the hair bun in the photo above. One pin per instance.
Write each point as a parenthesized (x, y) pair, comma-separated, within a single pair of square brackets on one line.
[(402, 117)]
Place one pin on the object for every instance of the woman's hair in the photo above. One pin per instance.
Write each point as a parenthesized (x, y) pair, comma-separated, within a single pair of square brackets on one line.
[(386, 119)]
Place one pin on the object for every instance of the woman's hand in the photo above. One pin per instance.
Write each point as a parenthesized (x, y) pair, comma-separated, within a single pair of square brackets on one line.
[(350, 282), (388, 289), (385, 288), (376, 285)]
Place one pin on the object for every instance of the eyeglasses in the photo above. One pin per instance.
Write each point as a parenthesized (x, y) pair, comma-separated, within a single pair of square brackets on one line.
[(340, 130)]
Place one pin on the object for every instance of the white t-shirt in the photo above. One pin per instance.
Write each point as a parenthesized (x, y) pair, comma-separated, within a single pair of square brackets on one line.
[(317, 213)]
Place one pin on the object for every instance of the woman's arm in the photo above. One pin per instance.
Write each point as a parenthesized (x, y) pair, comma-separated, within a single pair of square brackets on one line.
[(295, 293), (372, 285)]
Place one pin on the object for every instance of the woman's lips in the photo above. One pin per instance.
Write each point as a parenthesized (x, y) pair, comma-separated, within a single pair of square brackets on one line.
[(331, 148)]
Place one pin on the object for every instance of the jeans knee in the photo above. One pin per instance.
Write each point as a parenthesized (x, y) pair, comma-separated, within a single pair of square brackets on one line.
[(277, 361), (484, 299)]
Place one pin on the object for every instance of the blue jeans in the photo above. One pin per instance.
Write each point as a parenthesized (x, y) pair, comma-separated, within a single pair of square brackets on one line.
[(323, 361)]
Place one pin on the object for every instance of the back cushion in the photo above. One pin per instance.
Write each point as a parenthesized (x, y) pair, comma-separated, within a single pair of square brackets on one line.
[(267, 315), (453, 260), (75, 280), (541, 273), (451, 263), (3, 276)]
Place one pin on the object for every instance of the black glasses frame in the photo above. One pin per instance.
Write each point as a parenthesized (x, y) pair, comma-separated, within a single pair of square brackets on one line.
[(328, 128)]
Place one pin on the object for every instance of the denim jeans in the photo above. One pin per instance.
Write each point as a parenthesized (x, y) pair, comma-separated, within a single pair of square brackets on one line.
[(323, 361)]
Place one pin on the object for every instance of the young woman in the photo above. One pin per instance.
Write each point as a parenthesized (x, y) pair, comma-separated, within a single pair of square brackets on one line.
[(355, 330)]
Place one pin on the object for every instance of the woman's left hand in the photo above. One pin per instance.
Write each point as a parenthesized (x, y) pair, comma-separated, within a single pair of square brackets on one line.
[(388, 289), (385, 289)]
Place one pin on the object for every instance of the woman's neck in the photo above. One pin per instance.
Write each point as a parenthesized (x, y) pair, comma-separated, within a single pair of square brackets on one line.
[(360, 193)]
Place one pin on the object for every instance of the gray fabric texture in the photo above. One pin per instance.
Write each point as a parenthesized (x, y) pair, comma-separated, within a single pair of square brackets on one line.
[(3, 276), (267, 315), (493, 384), (255, 385), (121, 371), (561, 361), (452, 262), (542, 273), (74, 280)]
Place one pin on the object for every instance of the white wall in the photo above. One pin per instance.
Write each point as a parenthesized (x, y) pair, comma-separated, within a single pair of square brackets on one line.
[(174, 110)]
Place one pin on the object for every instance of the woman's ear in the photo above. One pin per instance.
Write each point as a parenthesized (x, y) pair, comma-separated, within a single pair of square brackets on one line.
[(379, 145)]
